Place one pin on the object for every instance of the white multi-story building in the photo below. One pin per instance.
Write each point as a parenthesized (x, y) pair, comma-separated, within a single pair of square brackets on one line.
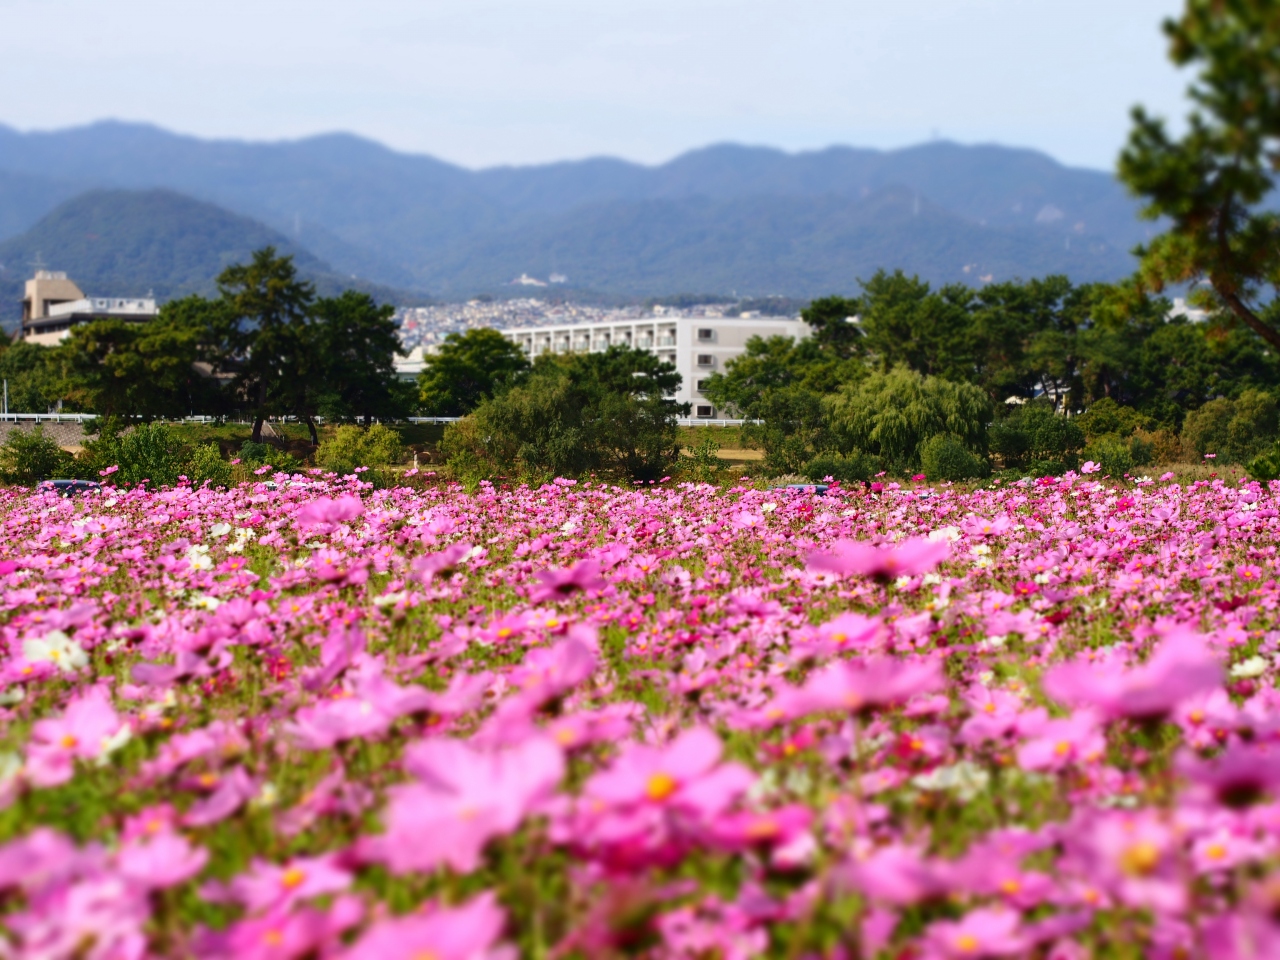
[(696, 346)]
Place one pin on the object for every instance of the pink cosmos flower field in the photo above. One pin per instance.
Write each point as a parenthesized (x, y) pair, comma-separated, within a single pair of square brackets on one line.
[(307, 719)]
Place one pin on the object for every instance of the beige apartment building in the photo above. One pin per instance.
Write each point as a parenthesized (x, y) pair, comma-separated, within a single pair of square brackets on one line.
[(52, 305)]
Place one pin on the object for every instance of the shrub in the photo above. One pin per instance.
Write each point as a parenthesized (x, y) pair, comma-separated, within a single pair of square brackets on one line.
[(946, 457), (255, 455), (845, 467), (205, 463), (149, 451), (1106, 417), (27, 457), (1236, 430), (703, 465), (1112, 454), (1035, 433), (351, 447)]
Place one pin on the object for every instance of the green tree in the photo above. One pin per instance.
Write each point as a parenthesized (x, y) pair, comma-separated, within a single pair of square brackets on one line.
[(1215, 183), (574, 414), (32, 376), (832, 320), (141, 370), (351, 447), (907, 322), (354, 344), (468, 368), (890, 415), (271, 351)]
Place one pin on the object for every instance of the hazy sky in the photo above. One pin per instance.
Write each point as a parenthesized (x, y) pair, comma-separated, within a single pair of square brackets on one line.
[(483, 82)]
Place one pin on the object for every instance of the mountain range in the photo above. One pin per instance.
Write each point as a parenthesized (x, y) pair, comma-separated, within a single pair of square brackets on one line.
[(728, 218)]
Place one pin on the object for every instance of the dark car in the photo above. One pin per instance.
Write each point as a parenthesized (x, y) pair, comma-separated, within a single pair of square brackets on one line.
[(68, 488)]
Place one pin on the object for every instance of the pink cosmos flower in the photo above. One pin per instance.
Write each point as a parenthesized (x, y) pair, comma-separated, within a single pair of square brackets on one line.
[(985, 932), (164, 859), (859, 686), (267, 886), (468, 932), (89, 729), (684, 775), (559, 584), (463, 798), (1239, 776), (1180, 667), (1057, 744), (911, 557), (897, 874), (444, 561), (329, 513), (1089, 467)]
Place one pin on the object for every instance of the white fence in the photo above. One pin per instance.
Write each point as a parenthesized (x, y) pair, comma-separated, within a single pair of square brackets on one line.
[(85, 417)]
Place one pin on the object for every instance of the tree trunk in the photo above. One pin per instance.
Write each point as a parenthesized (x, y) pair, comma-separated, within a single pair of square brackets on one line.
[(257, 429), (311, 426), (1252, 320), (368, 421)]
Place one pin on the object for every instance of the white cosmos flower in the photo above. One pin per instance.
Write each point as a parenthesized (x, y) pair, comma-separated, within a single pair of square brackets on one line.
[(198, 557), (1253, 667), (220, 529), (966, 779), (57, 648)]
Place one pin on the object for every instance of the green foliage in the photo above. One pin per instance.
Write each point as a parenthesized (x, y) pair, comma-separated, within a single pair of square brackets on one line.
[(945, 457), (1236, 431), (204, 463), (352, 343), (254, 455), (276, 369), (1106, 417), (468, 368), (832, 320), (351, 447), (703, 464), (844, 467), (574, 414), (1266, 466), (1111, 453), (1215, 184), (1033, 432), (147, 370), (892, 414), (29, 456), (147, 451), (32, 376)]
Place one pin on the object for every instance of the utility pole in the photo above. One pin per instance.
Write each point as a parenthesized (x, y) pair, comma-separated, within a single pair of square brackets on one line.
[(6, 397)]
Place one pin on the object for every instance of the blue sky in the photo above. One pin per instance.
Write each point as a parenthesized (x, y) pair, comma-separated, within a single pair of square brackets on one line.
[(485, 82)]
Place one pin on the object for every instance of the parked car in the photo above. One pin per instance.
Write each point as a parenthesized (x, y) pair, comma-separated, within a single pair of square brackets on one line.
[(69, 488)]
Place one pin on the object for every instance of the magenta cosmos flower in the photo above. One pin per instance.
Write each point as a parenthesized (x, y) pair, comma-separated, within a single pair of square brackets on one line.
[(559, 584), (468, 932), (909, 558), (1180, 667)]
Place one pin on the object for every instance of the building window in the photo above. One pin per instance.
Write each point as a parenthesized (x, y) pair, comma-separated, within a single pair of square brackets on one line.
[(705, 410), (706, 334), (706, 360), (701, 385)]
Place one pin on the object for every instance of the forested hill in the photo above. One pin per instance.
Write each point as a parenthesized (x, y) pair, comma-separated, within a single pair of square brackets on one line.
[(750, 219), (128, 243)]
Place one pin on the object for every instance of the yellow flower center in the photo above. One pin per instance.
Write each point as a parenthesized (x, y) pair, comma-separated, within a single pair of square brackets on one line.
[(660, 786), (967, 943), (292, 878), (1062, 748), (1215, 851), (69, 741), (1140, 859)]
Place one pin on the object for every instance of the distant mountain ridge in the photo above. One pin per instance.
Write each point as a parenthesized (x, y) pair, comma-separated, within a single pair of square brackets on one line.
[(751, 219), (126, 243)]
